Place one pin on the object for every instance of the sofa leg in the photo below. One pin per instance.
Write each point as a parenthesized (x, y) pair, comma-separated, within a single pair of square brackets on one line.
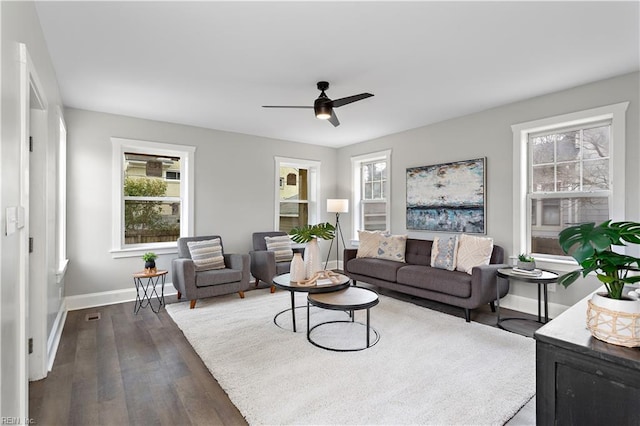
[(354, 283), (192, 304), (179, 295), (467, 315), (273, 288), (493, 306), (241, 293), (257, 281)]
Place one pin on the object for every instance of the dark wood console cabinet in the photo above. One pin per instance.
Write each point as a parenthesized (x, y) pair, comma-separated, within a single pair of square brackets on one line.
[(581, 380)]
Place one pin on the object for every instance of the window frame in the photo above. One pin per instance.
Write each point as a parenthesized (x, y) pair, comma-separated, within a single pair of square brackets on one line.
[(357, 201), (615, 114), (313, 183), (187, 185)]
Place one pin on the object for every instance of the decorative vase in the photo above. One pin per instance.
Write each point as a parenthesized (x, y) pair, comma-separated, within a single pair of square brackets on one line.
[(297, 269), (527, 266), (312, 262), (615, 321)]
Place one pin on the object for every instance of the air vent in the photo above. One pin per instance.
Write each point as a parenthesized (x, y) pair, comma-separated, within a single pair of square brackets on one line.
[(94, 316)]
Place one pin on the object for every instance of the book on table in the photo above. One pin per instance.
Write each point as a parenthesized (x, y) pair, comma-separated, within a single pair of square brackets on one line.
[(527, 272)]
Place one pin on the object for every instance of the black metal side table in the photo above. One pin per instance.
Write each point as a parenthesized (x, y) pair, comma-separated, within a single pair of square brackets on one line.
[(149, 289), (542, 280)]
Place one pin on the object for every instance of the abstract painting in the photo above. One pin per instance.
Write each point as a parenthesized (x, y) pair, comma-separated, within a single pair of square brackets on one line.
[(447, 197)]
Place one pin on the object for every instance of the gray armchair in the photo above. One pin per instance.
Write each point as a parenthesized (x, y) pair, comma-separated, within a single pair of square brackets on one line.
[(200, 284), (263, 262)]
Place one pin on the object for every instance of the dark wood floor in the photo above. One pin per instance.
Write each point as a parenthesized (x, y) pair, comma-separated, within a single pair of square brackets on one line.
[(140, 369)]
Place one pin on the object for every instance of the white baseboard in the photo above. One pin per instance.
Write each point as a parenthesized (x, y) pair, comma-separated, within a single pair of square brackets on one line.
[(91, 300), (530, 306), (56, 334)]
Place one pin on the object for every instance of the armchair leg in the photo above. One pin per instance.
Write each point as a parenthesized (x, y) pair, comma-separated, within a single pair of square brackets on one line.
[(179, 295), (493, 306), (192, 304), (257, 281), (273, 288), (241, 293)]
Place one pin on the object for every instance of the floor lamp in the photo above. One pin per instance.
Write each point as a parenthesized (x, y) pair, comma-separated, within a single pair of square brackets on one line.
[(337, 206)]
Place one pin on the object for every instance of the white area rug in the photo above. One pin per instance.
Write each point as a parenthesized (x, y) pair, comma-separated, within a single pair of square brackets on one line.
[(427, 368)]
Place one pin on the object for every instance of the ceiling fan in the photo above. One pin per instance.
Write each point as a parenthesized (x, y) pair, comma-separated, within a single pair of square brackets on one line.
[(323, 106)]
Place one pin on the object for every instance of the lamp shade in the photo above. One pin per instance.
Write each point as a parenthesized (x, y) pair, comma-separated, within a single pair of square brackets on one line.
[(337, 205)]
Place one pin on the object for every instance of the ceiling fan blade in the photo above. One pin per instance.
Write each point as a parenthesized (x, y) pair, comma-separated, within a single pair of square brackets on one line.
[(285, 106), (349, 99), (334, 119)]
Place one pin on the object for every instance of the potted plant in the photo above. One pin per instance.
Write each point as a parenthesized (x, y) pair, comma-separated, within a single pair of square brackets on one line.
[(526, 262), (149, 260), (590, 246), (309, 234)]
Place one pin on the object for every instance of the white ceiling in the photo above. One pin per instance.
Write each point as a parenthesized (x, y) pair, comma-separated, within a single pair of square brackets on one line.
[(213, 64)]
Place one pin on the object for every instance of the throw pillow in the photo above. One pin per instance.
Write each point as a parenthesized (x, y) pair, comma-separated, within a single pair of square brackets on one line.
[(444, 252), (206, 254), (473, 251), (368, 243), (392, 247), (281, 246)]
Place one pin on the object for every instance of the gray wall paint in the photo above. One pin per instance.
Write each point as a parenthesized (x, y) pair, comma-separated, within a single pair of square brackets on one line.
[(234, 192), (488, 134)]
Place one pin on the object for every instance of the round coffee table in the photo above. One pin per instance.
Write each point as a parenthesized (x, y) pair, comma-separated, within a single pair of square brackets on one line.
[(350, 299), (321, 286)]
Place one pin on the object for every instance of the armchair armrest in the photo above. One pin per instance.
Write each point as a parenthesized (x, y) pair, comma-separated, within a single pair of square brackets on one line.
[(240, 262), (183, 272), (263, 265)]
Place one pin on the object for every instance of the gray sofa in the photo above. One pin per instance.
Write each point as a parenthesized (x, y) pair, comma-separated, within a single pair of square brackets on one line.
[(417, 278)]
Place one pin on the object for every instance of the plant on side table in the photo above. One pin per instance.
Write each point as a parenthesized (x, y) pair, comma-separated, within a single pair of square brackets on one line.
[(309, 234), (611, 316), (526, 262), (149, 261)]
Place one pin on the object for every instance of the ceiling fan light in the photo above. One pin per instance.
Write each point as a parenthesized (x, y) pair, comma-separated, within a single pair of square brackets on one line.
[(323, 111)]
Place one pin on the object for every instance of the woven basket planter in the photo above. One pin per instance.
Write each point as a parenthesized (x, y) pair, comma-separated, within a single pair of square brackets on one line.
[(614, 321)]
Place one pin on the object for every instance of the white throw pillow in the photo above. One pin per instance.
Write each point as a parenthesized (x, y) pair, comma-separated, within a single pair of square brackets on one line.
[(444, 253), (281, 246), (473, 251), (206, 254), (392, 247), (368, 243)]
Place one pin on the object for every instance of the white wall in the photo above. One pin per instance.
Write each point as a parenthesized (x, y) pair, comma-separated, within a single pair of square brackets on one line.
[(234, 190), (19, 24), (488, 134)]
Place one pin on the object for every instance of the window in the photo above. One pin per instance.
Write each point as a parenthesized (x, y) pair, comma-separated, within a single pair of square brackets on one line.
[(565, 172), (371, 174), (296, 193), (153, 206)]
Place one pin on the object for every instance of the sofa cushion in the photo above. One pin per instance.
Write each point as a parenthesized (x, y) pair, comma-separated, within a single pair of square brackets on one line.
[(392, 247), (377, 268), (281, 246), (418, 252), (217, 276), (206, 254), (473, 251), (444, 252), (368, 243), (454, 283)]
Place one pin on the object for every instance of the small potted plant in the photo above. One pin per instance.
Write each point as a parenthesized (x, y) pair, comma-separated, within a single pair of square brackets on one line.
[(149, 260), (526, 262), (309, 234), (611, 316)]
